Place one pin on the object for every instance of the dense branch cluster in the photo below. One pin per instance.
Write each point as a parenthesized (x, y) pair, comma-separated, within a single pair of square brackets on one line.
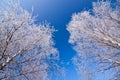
[(24, 45), (96, 36)]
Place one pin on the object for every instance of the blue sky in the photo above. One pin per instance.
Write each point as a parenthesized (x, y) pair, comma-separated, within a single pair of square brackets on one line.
[(58, 13)]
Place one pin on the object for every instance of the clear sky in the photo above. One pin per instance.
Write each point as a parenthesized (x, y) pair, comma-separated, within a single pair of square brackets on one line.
[(58, 13)]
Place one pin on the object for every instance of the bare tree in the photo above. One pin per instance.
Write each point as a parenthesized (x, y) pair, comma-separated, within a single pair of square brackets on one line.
[(25, 46), (96, 36)]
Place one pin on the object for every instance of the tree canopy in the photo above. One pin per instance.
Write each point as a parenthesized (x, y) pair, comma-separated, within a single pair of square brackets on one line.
[(95, 35), (25, 47)]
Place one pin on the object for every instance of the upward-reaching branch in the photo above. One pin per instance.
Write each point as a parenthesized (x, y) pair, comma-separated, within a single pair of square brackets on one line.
[(24, 45), (97, 33)]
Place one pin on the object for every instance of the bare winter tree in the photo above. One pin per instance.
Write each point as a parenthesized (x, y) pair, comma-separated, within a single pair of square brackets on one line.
[(25, 47), (96, 36)]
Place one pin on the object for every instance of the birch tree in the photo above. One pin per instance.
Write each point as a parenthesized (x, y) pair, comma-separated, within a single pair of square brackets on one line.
[(25, 47), (95, 35)]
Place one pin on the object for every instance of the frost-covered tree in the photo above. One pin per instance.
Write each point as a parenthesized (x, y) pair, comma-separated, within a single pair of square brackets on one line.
[(26, 48), (96, 38)]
